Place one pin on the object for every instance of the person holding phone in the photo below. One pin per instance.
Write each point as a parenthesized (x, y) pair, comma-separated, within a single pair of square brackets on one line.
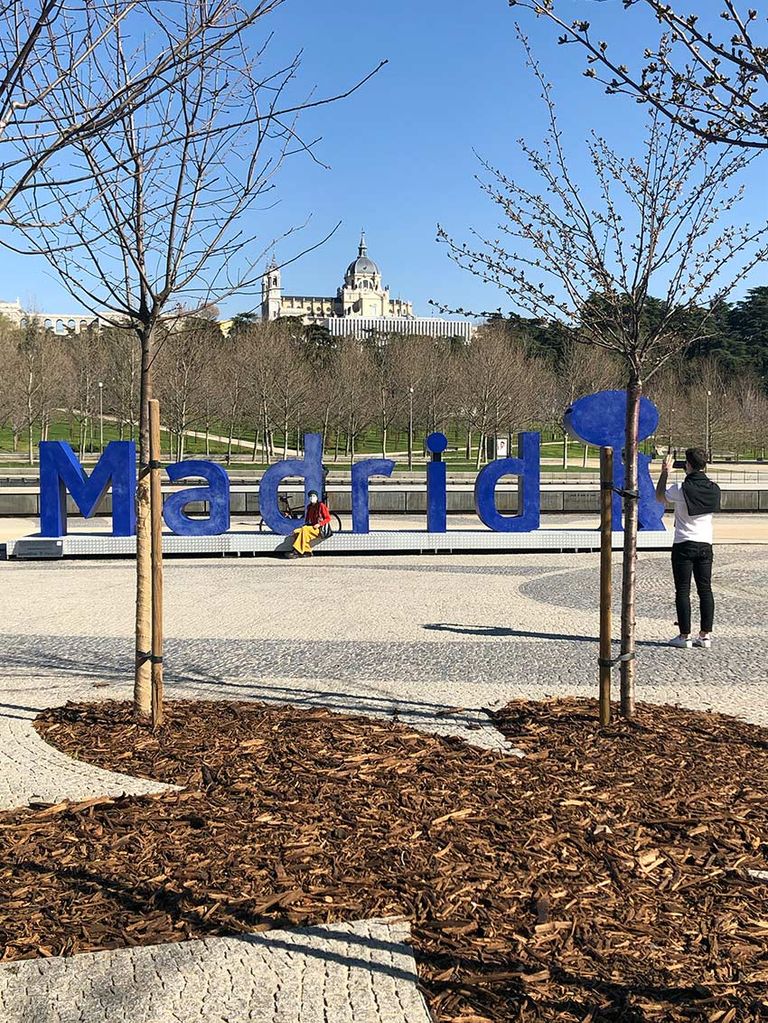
[(695, 500)]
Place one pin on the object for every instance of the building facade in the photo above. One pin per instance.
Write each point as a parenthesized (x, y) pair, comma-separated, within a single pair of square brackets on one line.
[(59, 323), (362, 305)]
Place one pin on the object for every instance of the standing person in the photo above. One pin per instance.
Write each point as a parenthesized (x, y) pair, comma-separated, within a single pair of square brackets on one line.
[(695, 500), (317, 516)]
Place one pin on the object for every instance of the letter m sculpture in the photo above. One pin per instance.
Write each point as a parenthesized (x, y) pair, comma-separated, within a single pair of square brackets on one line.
[(60, 472)]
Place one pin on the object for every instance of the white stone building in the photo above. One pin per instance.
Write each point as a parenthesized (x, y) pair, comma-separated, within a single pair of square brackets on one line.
[(60, 323), (362, 305)]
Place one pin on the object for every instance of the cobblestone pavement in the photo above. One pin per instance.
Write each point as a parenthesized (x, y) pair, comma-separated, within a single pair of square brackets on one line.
[(345, 973), (416, 637), (435, 641)]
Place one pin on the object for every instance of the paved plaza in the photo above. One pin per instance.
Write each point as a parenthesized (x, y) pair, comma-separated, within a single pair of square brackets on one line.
[(436, 641)]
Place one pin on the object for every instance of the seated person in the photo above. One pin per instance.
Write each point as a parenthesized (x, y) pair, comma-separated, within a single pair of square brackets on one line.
[(317, 516)]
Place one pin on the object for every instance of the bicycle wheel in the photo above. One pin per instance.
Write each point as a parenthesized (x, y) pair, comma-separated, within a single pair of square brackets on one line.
[(263, 527), (336, 523)]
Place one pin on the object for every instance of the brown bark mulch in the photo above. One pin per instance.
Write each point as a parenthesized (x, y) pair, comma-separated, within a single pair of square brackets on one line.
[(603, 877)]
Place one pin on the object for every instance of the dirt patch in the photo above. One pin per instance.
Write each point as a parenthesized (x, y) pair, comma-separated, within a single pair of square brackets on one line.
[(603, 877)]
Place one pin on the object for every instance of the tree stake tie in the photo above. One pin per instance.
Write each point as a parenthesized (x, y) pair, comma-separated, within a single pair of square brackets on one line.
[(612, 662), (633, 495)]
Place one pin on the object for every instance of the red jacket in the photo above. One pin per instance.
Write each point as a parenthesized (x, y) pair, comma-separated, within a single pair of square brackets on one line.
[(317, 515)]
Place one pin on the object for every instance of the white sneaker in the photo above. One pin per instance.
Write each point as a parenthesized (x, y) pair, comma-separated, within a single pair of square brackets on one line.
[(703, 641), (683, 642)]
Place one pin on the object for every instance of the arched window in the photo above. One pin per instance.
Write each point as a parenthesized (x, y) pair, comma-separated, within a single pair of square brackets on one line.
[(48, 324), (83, 325), (59, 326), (71, 324)]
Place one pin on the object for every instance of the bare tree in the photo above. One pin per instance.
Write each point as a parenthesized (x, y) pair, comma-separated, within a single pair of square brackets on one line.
[(53, 47), (34, 375), (87, 366), (356, 407), (662, 224), (714, 82), (194, 344), (158, 221), (389, 399), (122, 368)]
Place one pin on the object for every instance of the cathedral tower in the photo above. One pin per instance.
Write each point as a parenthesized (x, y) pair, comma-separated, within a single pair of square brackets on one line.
[(271, 293)]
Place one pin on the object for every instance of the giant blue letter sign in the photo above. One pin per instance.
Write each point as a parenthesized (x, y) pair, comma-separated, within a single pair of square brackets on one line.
[(60, 472), (216, 494), (436, 484), (310, 467), (600, 419), (527, 469), (361, 473), (597, 419)]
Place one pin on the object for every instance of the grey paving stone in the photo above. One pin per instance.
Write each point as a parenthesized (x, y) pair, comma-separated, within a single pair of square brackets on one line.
[(341, 973)]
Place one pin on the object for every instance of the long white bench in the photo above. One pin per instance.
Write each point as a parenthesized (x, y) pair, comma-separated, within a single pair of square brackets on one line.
[(79, 545)]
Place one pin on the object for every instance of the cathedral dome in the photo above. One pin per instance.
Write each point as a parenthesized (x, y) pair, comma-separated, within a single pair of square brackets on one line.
[(362, 266)]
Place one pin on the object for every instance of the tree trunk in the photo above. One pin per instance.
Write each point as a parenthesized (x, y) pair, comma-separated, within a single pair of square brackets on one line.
[(142, 685), (255, 451), (629, 567), (326, 418), (31, 451), (479, 459), (286, 429), (383, 438), (585, 459), (265, 424), (565, 452), (230, 435), (468, 449)]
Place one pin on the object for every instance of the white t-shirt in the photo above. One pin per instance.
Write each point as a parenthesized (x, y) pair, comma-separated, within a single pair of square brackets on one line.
[(687, 527)]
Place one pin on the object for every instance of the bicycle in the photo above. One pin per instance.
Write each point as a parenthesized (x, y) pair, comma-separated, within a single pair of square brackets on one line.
[(297, 512)]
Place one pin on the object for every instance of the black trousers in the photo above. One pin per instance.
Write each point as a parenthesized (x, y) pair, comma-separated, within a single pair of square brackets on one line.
[(691, 558)]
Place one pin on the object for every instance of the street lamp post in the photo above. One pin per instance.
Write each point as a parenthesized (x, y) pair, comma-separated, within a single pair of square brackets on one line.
[(708, 436), (410, 427), (671, 417), (101, 416)]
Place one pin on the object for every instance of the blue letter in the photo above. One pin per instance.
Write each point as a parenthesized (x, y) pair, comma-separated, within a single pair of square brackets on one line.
[(600, 419), (310, 467), (360, 476), (436, 500), (216, 494), (528, 471), (60, 472)]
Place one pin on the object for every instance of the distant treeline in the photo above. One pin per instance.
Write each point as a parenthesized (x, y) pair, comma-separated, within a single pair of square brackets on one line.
[(267, 383)]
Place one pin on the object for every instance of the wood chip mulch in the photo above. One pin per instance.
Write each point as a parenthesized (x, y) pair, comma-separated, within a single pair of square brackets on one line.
[(603, 877)]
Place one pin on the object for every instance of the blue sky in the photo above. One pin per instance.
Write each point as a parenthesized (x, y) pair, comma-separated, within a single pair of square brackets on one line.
[(401, 149)]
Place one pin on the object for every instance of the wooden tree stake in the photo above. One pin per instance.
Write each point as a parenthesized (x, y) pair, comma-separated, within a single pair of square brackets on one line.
[(157, 562), (606, 581)]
